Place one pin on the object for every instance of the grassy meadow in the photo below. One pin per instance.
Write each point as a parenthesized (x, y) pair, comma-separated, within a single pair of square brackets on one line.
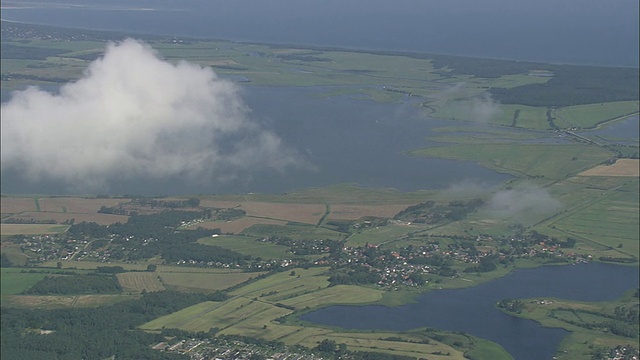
[(583, 320), (610, 220), (31, 229), (591, 115), (533, 161), (383, 234), (248, 245), (293, 231), (14, 281), (198, 282)]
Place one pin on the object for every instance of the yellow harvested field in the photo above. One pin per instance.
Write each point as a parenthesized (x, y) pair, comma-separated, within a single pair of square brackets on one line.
[(63, 301), (93, 264), (223, 62), (59, 209), (76, 204), (139, 281), (355, 212), (203, 281), (622, 167), (31, 229), (360, 342), (61, 217), (304, 213), (280, 213), (14, 205), (339, 294), (236, 226)]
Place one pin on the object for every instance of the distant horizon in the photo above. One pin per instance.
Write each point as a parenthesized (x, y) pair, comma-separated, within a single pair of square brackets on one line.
[(323, 47), (576, 32)]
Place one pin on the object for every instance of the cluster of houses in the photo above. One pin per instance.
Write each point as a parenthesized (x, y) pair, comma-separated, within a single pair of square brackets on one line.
[(398, 267), (204, 349), (627, 352), (43, 248)]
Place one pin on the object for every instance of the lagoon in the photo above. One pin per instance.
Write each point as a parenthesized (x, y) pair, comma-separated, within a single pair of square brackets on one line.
[(341, 139), (625, 132), (473, 310)]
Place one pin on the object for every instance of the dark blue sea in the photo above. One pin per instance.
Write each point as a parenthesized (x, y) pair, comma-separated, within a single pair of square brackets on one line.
[(570, 31)]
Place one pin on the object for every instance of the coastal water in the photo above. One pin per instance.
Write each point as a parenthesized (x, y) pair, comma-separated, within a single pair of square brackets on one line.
[(624, 132), (473, 311), (571, 31)]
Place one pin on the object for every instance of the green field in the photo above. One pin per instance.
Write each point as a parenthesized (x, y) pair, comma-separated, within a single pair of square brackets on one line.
[(589, 116), (484, 111), (293, 231), (382, 234), (585, 322), (15, 255), (195, 282), (49, 302), (282, 283), (209, 314), (249, 246), (339, 294), (31, 229), (487, 350), (256, 304), (547, 162), (610, 219), (14, 281)]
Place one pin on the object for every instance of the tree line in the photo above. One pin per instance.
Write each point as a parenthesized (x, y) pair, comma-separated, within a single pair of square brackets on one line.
[(91, 333)]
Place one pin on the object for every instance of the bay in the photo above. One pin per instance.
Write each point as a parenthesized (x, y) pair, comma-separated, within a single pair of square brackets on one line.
[(472, 310)]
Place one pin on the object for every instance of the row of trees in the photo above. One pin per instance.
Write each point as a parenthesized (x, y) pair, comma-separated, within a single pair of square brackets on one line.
[(75, 284)]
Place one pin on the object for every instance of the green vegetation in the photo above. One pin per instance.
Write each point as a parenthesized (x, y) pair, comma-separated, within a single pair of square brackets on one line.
[(15, 280), (531, 161), (75, 284), (609, 220), (248, 245), (380, 234), (94, 333), (484, 349), (207, 282), (594, 327), (520, 116), (589, 116), (294, 231)]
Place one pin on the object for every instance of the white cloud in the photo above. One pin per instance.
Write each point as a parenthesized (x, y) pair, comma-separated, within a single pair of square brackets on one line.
[(483, 109), (135, 116), (523, 201)]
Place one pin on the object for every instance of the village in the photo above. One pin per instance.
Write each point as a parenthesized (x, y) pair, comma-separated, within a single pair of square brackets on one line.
[(220, 348), (412, 266)]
